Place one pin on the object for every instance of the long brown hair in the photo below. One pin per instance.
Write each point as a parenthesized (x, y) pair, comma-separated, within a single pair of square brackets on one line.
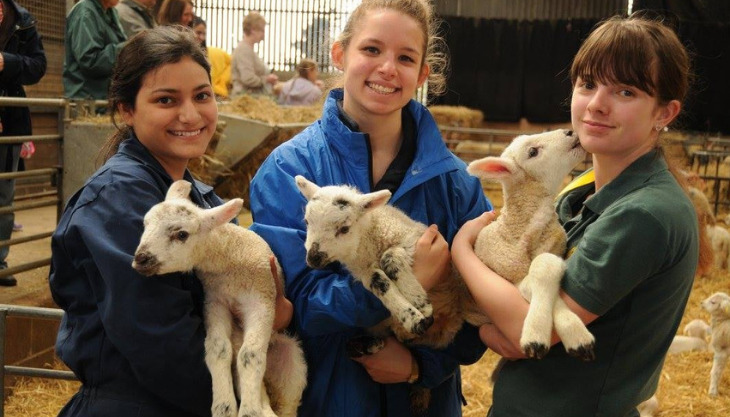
[(144, 53), (645, 53)]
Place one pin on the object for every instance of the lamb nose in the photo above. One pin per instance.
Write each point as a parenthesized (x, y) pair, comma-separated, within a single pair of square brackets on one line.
[(142, 258), (569, 132)]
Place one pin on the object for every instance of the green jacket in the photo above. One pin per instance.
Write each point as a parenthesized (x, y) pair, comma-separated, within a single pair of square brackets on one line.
[(93, 40)]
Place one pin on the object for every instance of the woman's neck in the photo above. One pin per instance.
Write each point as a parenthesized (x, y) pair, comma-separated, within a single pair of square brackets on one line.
[(608, 167)]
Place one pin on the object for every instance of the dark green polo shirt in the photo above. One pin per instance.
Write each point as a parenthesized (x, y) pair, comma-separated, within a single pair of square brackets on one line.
[(633, 250)]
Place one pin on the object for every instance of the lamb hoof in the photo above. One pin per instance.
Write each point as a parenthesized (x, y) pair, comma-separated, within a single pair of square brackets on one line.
[(535, 350), (423, 325), (223, 409), (364, 345), (584, 353)]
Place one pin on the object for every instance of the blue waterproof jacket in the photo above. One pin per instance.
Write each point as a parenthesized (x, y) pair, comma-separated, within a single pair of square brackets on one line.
[(136, 343), (329, 307)]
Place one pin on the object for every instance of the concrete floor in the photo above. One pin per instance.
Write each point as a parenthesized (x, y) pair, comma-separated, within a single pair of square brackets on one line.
[(32, 288)]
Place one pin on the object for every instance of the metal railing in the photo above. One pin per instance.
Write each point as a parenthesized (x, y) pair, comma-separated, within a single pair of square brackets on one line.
[(6, 311), (54, 173)]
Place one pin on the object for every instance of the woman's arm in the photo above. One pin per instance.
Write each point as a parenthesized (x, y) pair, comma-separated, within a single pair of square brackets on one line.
[(497, 297)]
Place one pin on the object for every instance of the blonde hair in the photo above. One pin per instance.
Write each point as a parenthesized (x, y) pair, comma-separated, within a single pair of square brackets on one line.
[(253, 20), (305, 66), (421, 11)]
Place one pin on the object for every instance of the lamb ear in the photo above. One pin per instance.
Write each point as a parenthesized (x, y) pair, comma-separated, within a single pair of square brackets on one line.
[(178, 189), (222, 214), (373, 200), (725, 305), (491, 167), (306, 187)]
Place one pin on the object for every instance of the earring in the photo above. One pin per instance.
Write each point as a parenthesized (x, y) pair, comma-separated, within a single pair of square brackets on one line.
[(658, 128)]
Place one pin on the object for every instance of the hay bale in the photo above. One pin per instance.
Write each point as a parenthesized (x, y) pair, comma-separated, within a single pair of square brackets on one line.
[(457, 116), (265, 109), (238, 183)]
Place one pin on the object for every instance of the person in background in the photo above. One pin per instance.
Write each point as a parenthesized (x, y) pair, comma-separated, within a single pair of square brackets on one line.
[(136, 343), (374, 136), (176, 12), (22, 62), (633, 236), (220, 60), (249, 73), (304, 88), (94, 37), (136, 15)]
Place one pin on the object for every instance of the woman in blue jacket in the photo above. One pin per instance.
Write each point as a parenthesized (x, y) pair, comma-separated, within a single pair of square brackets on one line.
[(372, 136), (137, 343)]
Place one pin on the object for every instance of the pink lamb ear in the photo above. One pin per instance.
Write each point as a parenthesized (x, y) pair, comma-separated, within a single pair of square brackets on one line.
[(306, 187), (375, 199), (222, 214), (178, 189), (491, 167)]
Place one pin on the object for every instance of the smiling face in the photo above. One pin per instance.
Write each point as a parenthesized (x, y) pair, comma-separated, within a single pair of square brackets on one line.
[(382, 64), (175, 114)]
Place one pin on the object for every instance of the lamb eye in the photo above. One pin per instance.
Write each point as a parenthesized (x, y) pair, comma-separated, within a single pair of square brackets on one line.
[(342, 230), (182, 235), (532, 152)]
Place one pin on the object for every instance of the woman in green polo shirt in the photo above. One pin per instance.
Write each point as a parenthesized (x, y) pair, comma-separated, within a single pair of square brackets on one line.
[(633, 237)]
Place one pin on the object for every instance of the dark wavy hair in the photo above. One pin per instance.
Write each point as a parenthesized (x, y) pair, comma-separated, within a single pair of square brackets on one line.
[(144, 53)]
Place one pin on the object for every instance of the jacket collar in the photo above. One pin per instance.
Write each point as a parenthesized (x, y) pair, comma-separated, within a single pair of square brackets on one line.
[(631, 179), (432, 157), (133, 148)]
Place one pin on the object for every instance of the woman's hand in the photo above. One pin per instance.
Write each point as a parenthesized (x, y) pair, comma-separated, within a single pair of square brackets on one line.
[(498, 342), (390, 365), (431, 260), (284, 308), (272, 78), (469, 231)]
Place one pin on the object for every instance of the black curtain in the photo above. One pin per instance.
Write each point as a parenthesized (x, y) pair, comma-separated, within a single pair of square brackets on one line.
[(703, 26), (511, 69)]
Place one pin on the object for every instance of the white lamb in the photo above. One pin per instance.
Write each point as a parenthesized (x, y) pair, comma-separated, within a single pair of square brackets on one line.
[(376, 242), (697, 328), (718, 305), (232, 263), (525, 244)]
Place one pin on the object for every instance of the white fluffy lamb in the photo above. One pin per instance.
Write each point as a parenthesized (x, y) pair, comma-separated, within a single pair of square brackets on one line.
[(525, 244), (376, 243), (697, 328), (718, 305), (268, 371)]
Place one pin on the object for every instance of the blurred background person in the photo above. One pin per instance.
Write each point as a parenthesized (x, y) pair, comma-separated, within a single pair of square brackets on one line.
[(94, 37), (220, 60), (304, 88), (249, 73), (175, 12), (136, 15), (22, 62)]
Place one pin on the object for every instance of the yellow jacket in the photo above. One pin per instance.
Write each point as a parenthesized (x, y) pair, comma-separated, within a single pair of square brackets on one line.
[(220, 71)]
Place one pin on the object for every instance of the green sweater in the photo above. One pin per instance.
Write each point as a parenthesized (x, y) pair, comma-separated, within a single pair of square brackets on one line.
[(93, 40)]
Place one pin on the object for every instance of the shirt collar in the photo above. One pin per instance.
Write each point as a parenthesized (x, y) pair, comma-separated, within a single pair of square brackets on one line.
[(631, 179)]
